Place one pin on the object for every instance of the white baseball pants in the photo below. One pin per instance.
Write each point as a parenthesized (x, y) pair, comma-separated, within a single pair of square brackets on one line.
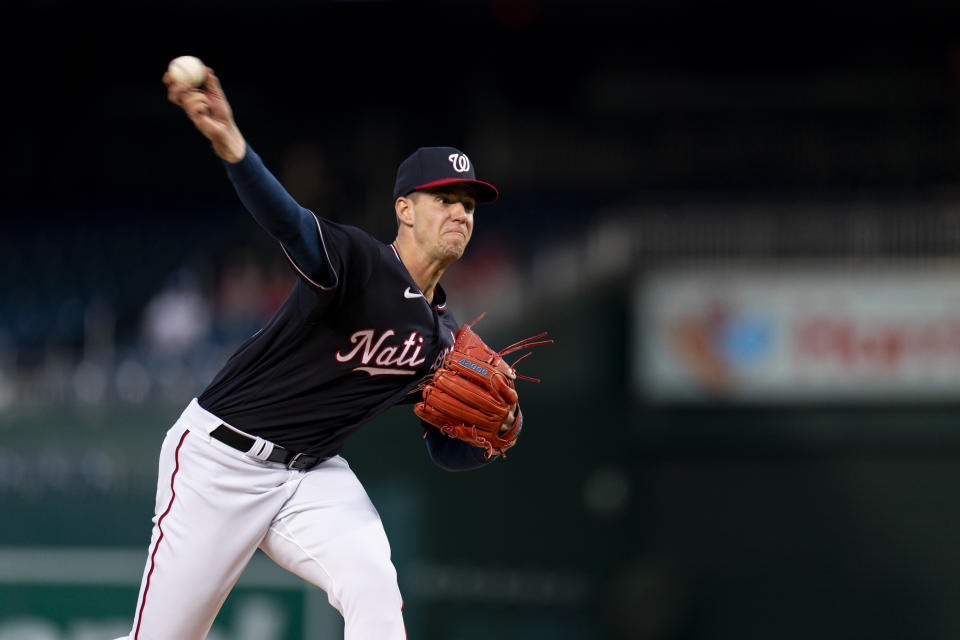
[(215, 506)]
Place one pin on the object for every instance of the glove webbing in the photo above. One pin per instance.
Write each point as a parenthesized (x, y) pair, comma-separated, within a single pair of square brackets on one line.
[(517, 346)]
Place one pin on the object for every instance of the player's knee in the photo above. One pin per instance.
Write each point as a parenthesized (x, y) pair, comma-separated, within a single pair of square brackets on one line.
[(372, 585), (373, 607)]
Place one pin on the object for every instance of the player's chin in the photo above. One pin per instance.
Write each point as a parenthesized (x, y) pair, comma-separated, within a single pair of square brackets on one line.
[(454, 247)]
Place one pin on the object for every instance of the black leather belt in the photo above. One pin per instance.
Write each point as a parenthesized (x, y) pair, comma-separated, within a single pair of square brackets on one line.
[(241, 442)]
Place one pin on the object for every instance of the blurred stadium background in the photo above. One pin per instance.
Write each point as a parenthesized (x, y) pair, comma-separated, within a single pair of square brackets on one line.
[(741, 222)]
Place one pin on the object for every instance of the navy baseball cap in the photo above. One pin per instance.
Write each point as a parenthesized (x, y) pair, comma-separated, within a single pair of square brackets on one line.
[(436, 166)]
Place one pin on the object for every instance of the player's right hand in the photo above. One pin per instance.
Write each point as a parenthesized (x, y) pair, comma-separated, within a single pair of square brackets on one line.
[(210, 113)]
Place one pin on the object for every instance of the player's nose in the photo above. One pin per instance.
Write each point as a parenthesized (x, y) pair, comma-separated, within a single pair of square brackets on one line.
[(458, 211)]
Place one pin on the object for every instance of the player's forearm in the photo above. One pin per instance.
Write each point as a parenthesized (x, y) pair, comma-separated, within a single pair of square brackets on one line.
[(276, 211), (265, 198)]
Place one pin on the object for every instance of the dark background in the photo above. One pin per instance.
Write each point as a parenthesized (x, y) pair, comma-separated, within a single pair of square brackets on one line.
[(90, 125), (714, 521)]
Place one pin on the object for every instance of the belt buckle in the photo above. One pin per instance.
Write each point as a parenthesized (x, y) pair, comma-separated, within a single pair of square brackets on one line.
[(293, 461), (311, 462)]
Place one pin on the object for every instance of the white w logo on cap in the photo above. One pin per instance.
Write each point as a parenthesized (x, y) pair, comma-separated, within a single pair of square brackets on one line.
[(460, 162)]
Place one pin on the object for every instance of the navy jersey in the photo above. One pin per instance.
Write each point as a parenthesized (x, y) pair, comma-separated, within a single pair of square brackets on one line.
[(354, 337)]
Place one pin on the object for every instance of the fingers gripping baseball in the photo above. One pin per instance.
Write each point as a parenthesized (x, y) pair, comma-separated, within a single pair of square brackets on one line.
[(209, 111), (197, 105)]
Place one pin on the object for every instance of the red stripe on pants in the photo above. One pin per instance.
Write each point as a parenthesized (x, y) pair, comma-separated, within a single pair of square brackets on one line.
[(153, 556)]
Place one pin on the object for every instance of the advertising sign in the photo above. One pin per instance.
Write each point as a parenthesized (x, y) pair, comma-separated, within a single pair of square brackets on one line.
[(808, 333)]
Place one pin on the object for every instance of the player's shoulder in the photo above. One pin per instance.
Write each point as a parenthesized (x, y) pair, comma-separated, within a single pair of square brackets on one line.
[(343, 228), (354, 244), (348, 233)]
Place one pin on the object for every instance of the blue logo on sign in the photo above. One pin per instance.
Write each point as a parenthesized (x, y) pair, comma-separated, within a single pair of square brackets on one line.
[(745, 340), (473, 365)]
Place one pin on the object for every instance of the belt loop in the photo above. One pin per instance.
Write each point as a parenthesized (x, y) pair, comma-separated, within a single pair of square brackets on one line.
[(260, 450)]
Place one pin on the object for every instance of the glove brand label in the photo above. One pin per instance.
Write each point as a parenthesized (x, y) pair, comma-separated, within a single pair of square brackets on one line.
[(474, 366)]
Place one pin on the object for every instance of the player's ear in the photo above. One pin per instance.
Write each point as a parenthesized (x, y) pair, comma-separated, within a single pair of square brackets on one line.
[(404, 208)]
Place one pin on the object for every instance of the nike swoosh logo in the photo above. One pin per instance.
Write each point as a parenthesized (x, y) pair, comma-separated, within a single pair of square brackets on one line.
[(411, 294)]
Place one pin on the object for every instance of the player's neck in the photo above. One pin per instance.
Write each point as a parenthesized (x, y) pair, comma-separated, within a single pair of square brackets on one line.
[(424, 271)]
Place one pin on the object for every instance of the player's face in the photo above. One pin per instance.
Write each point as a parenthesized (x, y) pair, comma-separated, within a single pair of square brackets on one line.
[(444, 220)]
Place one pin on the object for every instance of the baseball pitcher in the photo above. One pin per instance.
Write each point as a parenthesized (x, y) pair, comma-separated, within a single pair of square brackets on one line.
[(253, 461)]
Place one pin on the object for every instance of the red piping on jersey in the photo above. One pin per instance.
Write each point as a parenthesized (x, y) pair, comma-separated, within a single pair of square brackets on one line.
[(153, 556), (325, 253)]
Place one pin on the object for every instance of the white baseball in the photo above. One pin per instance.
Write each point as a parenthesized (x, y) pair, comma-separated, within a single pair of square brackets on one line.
[(188, 70)]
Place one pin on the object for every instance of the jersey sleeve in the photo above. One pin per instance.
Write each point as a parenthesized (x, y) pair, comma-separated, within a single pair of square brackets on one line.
[(296, 228)]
